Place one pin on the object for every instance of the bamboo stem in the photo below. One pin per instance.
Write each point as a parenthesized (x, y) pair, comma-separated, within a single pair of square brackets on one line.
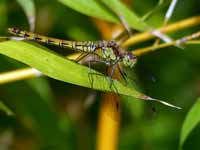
[(25, 73), (141, 37), (108, 123), (179, 42), (19, 74)]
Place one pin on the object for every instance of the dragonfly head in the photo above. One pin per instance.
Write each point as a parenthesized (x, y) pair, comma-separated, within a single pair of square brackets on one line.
[(129, 59)]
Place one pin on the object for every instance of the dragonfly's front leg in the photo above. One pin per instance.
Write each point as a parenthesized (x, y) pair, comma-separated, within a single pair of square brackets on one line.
[(90, 74), (111, 75), (122, 73)]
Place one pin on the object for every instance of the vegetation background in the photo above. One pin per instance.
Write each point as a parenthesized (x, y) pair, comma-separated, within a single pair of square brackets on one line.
[(44, 113)]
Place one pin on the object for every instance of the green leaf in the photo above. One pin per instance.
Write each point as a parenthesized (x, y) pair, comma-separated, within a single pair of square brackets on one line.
[(59, 68), (91, 8), (5, 109), (29, 9), (129, 16), (35, 114), (191, 121), (161, 4), (110, 10), (42, 87), (3, 15)]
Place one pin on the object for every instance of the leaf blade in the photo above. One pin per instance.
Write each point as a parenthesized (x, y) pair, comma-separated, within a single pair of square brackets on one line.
[(51, 64), (191, 120), (130, 17), (59, 68), (29, 8), (6, 109), (88, 6)]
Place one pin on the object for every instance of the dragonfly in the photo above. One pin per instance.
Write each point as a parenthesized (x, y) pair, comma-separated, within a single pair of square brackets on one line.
[(109, 52)]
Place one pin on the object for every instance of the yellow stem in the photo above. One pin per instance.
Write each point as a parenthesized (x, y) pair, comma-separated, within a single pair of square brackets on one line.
[(141, 37), (19, 74), (141, 51), (25, 73), (108, 123)]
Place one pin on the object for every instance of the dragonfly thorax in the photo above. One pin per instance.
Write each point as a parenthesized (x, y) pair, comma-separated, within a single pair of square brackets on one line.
[(108, 53), (111, 53)]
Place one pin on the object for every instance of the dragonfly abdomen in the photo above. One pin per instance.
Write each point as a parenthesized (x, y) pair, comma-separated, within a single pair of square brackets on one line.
[(43, 39), (83, 46)]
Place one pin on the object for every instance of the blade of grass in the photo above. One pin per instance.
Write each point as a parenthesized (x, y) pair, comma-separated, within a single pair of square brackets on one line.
[(191, 121), (29, 8), (131, 18), (160, 5), (59, 68), (91, 8), (5, 109), (3, 15), (42, 87), (35, 114)]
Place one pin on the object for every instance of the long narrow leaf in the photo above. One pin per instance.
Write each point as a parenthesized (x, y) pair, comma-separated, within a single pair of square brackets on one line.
[(29, 9), (35, 114), (191, 121), (59, 68), (5, 109), (130, 17), (91, 8)]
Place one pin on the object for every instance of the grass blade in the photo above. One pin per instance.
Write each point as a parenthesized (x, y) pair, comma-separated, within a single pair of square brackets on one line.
[(5, 109), (59, 68), (29, 9), (191, 121), (131, 18), (91, 8)]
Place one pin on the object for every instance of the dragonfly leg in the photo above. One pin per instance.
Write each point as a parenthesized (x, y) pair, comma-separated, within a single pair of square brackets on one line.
[(111, 78), (111, 75), (122, 73), (91, 74)]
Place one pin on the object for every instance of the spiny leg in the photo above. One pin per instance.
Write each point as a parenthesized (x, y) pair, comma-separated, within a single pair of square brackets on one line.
[(111, 78), (111, 75), (90, 74), (123, 74)]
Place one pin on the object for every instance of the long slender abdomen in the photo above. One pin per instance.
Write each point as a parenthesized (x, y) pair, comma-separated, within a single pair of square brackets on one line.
[(43, 39), (83, 46)]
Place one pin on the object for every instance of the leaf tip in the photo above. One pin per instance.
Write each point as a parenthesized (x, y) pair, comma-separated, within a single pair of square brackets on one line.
[(145, 97)]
